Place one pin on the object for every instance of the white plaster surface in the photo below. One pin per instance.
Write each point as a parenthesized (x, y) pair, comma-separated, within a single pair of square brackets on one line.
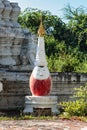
[(40, 55), (41, 102), (1, 86), (41, 72), (85, 128)]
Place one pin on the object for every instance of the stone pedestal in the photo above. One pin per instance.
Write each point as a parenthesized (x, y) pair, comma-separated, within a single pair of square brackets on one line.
[(43, 102)]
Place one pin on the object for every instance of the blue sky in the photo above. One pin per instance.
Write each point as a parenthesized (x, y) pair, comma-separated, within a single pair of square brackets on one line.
[(55, 6)]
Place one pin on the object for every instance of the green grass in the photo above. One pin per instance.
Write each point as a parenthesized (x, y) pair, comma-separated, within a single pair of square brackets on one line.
[(29, 117), (18, 115), (65, 115), (32, 117)]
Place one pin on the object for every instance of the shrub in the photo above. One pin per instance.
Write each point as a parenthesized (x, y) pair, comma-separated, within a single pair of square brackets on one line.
[(55, 63), (70, 63), (77, 107), (63, 63)]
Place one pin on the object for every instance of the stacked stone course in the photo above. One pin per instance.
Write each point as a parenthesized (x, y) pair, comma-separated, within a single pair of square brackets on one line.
[(17, 52), (15, 43)]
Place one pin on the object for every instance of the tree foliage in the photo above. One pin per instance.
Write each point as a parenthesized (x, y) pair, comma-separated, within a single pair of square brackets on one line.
[(66, 44), (31, 18), (77, 106), (78, 24)]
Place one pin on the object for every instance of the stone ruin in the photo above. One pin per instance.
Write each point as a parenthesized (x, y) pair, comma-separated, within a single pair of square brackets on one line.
[(17, 45), (17, 54)]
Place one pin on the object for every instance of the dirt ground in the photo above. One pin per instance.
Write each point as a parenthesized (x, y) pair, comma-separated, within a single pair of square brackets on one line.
[(39, 124), (43, 125)]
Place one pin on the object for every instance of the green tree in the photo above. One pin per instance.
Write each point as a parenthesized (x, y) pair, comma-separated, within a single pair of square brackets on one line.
[(30, 19), (66, 44), (77, 22)]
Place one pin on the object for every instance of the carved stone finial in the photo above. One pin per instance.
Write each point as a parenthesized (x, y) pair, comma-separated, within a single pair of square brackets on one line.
[(41, 30)]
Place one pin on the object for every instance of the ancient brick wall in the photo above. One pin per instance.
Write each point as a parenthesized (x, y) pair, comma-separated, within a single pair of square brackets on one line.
[(16, 86), (64, 84)]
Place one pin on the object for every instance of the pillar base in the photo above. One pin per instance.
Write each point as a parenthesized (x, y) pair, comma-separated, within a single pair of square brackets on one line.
[(41, 102)]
